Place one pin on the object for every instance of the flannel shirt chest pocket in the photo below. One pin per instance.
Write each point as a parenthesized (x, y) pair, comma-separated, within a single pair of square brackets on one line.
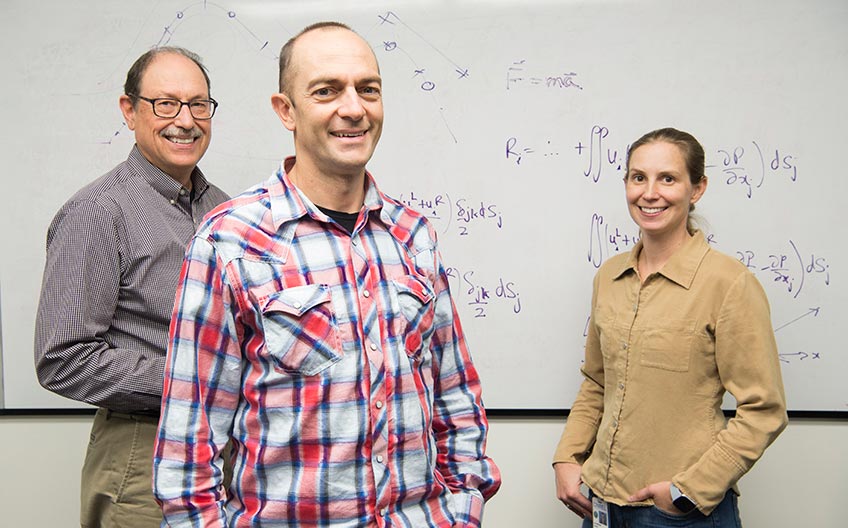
[(413, 322), (301, 332)]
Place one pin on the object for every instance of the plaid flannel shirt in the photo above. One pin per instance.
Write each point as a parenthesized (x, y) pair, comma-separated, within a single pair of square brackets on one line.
[(335, 361)]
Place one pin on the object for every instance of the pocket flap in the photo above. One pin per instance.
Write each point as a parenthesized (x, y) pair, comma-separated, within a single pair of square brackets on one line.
[(297, 300), (415, 287)]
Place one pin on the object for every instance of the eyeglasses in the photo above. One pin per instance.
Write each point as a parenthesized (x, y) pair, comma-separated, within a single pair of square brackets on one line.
[(169, 108)]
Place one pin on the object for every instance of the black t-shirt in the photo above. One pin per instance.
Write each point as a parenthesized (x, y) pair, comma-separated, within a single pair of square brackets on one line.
[(346, 220)]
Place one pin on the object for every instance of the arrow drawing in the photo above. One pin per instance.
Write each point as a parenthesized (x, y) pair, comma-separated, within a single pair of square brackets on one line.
[(812, 311)]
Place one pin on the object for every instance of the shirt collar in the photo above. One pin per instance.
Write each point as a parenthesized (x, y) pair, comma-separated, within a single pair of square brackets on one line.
[(163, 183), (682, 265), (289, 203)]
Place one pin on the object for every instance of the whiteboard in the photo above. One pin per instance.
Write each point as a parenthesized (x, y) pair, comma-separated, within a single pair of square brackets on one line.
[(506, 123)]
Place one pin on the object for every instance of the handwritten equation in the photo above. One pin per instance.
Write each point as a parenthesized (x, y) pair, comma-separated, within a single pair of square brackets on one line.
[(606, 239), (463, 214), (600, 158), (517, 74), (482, 297), (747, 167), (791, 267)]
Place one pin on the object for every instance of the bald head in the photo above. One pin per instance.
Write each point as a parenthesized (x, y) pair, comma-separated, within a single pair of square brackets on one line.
[(331, 101), (288, 67)]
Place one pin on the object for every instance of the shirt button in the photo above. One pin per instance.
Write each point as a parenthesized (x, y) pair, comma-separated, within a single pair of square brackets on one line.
[(621, 386), (380, 459), (623, 345), (173, 202), (373, 347), (182, 192), (383, 512), (296, 305), (379, 405), (366, 294)]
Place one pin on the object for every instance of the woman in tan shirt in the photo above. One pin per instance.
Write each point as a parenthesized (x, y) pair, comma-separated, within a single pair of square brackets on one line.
[(674, 325)]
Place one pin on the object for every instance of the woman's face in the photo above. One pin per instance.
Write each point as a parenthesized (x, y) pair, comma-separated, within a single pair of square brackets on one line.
[(659, 190)]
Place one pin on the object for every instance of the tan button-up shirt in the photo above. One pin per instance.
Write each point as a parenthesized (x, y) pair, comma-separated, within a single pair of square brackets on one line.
[(659, 358)]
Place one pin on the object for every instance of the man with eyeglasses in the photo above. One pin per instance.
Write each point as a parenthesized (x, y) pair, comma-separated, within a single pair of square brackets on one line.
[(114, 252)]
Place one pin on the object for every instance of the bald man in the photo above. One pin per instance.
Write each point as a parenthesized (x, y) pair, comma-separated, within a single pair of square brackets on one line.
[(316, 329)]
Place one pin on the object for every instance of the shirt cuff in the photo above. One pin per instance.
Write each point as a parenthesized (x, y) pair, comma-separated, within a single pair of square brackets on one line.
[(468, 509)]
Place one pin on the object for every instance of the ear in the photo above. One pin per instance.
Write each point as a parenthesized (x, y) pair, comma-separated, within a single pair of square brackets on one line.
[(128, 110), (699, 190), (284, 109)]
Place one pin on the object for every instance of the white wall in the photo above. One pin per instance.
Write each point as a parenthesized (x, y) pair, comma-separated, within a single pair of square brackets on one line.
[(801, 481)]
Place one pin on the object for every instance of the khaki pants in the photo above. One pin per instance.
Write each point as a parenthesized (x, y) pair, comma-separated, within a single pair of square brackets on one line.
[(117, 475)]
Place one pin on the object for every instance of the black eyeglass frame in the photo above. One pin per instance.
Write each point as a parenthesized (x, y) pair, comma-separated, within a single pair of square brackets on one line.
[(180, 109)]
